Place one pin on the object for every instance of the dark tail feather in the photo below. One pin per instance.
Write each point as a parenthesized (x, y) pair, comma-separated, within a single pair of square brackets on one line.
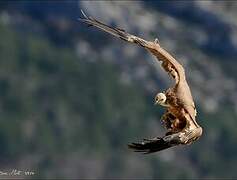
[(120, 33), (148, 146)]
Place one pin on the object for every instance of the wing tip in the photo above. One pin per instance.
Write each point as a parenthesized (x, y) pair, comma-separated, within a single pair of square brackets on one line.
[(135, 147), (148, 146), (84, 14), (84, 18)]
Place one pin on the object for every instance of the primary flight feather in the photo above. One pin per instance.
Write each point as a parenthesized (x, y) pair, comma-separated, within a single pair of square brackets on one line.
[(179, 118)]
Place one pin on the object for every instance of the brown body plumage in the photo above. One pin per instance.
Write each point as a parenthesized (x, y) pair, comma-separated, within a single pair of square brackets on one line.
[(179, 118)]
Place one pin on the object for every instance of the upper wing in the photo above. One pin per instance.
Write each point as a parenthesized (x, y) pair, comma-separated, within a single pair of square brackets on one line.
[(168, 62), (173, 67)]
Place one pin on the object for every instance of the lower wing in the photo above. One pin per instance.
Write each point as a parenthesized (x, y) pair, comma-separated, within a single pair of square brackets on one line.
[(148, 146)]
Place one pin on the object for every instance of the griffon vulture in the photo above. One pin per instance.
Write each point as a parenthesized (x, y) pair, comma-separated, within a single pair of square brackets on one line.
[(179, 118)]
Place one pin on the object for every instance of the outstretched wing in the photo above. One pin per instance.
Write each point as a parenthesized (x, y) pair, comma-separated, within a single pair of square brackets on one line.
[(148, 146), (168, 62)]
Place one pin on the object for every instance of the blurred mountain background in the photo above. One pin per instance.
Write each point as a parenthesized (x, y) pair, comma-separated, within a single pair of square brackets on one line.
[(72, 97)]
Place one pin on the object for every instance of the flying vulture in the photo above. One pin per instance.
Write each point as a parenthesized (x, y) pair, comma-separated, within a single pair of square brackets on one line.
[(179, 118)]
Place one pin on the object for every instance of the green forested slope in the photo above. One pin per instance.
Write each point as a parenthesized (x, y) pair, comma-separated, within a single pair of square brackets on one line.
[(69, 116)]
